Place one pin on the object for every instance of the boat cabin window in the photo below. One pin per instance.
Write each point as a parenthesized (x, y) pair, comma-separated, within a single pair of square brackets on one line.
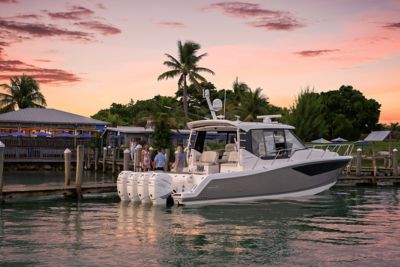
[(215, 141), (293, 143), (271, 143)]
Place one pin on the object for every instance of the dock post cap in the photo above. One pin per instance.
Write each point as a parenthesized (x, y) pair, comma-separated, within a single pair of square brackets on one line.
[(359, 149), (394, 149), (127, 151), (2, 144), (67, 150)]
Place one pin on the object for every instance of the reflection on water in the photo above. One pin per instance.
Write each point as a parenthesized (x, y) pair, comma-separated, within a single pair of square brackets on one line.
[(52, 177), (340, 227)]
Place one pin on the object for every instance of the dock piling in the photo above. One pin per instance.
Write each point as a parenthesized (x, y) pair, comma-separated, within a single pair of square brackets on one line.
[(96, 159), (127, 154), (137, 159), (358, 162), (79, 170), (67, 166), (114, 159), (104, 159), (395, 163), (2, 148)]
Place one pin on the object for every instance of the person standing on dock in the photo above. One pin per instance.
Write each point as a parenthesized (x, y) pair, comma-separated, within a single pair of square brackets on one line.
[(159, 161), (146, 158)]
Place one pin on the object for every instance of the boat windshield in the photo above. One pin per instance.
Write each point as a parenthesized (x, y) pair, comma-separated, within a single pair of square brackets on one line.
[(272, 143)]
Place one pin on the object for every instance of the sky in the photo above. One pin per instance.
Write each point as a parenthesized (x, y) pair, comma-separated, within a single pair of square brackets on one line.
[(88, 54)]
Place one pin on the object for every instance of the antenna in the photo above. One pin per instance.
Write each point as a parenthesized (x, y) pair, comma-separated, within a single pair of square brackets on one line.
[(215, 106), (268, 118)]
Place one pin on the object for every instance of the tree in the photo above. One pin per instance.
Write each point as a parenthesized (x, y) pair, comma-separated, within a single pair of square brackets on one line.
[(162, 132), (186, 68), (252, 104), (360, 114), (21, 93), (308, 115)]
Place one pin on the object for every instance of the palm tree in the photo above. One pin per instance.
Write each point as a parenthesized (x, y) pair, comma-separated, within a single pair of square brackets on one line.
[(252, 104), (22, 92), (186, 68)]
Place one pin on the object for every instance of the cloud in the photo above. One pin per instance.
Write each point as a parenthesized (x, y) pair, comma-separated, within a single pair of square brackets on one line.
[(101, 6), (99, 27), (11, 68), (13, 29), (315, 53), (25, 16), (279, 24), (43, 60), (75, 13), (172, 24), (8, 1), (258, 17), (394, 25)]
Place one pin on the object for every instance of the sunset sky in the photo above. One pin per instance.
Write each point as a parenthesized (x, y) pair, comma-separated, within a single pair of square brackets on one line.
[(89, 54)]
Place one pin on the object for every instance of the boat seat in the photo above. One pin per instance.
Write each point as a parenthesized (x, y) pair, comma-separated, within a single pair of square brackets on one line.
[(208, 162), (229, 148), (209, 157)]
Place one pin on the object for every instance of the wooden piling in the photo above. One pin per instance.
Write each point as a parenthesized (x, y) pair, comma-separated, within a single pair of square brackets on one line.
[(167, 155), (2, 148), (114, 159), (67, 166), (96, 158), (395, 163), (88, 163), (104, 159), (358, 162), (79, 170), (127, 154), (137, 159)]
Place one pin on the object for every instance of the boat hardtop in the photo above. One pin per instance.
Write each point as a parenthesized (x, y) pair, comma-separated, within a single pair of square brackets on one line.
[(232, 125)]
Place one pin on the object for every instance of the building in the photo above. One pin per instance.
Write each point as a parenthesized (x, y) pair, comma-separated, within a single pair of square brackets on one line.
[(43, 134)]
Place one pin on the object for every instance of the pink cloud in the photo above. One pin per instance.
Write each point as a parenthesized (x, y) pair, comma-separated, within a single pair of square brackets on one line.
[(394, 25), (75, 13), (172, 24), (10, 68), (14, 28), (8, 1), (314, 53), (261, 18), (99, 27)]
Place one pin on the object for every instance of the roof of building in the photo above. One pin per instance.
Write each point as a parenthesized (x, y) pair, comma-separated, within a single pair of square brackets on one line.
[(47, 116)]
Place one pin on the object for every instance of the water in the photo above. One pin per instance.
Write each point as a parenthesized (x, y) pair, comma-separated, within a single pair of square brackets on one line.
[(341, 227), (52, 177)]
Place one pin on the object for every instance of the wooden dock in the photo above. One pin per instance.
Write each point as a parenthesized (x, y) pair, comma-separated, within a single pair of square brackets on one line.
[(23, 191)]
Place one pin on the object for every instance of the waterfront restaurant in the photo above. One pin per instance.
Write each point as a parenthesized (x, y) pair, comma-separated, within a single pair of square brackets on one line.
[(38, 132)]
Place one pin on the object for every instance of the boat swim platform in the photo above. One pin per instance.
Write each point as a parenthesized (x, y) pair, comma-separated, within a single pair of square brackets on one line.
[(22, 191)]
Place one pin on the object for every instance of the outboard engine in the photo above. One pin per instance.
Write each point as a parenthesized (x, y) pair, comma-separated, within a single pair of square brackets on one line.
[(122, 186), (132, 188), (143, 187), (160, 188)]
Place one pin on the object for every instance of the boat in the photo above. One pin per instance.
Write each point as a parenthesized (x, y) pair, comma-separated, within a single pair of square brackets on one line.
[(236, 161)]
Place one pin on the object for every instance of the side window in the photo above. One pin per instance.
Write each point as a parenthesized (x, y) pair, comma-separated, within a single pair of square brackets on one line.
[(257, 142), (270, 143)]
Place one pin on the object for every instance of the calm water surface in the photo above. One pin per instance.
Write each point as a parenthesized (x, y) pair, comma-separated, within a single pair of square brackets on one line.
[(344, 226)]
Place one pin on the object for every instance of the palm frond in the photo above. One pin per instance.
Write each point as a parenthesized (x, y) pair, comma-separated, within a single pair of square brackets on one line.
[(168, 74)]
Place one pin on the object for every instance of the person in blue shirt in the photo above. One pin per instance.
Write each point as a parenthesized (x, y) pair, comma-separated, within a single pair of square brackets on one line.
[(159, 161), (179, 159)]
